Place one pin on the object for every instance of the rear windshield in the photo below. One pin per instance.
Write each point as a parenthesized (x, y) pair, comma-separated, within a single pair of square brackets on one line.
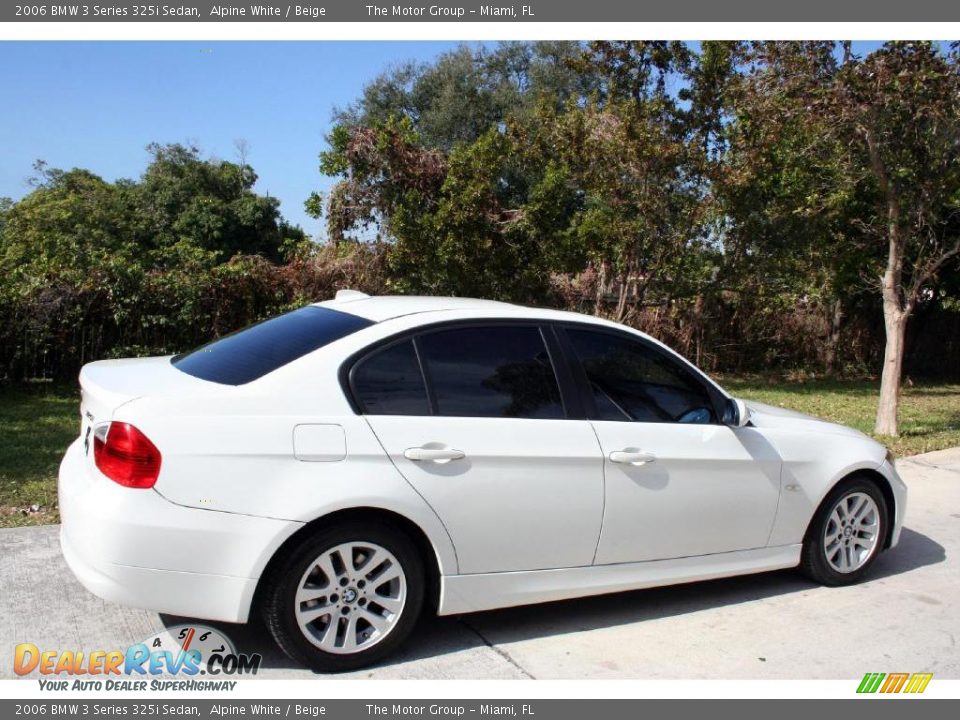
[(251, 353)]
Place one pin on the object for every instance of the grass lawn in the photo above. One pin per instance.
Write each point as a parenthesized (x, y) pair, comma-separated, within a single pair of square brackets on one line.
[(929, 414), (38, 421)]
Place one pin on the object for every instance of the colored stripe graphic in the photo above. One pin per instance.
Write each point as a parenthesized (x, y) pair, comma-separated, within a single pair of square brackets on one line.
[(918, 683), (870, 682), (894, 683)]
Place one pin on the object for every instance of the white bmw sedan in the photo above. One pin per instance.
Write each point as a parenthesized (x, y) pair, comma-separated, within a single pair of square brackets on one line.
[(337, 468)]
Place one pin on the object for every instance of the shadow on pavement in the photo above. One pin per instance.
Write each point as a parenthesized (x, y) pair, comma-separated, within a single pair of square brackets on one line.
[(441, 635)]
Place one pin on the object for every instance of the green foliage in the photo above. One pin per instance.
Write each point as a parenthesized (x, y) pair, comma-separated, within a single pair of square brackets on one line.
[(899, 112), (829, 154), (93, 269), (723, 198), (643, 208), (384, 168), (465, 92), (5, 205), (76, 228), (636, 71), (68, 228), (210, 205), (535, 185), (727, 190), (475, 238)]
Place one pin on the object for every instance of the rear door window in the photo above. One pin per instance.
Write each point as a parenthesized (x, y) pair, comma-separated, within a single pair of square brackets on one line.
[(389, 382), (499, 371), (251, 353)]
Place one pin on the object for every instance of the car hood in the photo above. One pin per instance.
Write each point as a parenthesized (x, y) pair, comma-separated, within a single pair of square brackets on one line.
[(770, 416)]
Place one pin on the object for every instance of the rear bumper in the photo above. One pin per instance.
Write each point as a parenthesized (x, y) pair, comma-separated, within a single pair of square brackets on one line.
[(210, 597), (136, 548)]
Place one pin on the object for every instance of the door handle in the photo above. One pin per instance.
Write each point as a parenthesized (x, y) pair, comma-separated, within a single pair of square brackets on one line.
[(632, 457), (438, 455)]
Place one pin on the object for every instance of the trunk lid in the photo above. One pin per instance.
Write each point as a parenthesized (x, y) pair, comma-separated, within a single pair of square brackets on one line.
[(106, 385)]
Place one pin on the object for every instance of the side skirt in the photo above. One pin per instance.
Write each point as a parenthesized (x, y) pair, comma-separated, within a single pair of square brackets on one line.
[(487, 591)]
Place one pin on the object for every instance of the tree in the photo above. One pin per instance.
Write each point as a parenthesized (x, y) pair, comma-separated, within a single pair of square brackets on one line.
[(382, 168), (76, 227), (498, 230), (903, 104), (183, 200), (641, 207), (477, 221), (639, 164), (5, 205), (554, 180), (71, 225), (92, 268), (890, 125), (412, 117), (637, 71), (785, 211), (751, 183), (465, 92)]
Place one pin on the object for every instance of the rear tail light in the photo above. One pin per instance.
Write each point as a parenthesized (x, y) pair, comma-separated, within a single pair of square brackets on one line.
[(126, 455)]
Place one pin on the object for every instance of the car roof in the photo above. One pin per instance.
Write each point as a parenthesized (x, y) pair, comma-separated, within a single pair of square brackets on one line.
[(387, 307)]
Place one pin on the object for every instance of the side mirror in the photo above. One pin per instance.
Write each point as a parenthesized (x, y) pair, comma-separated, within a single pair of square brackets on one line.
[(736, 413)]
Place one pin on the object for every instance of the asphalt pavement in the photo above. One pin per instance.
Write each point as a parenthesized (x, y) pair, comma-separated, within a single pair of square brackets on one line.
[(906, 617)]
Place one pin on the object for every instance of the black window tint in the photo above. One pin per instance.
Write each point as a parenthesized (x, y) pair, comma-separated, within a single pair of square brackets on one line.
[(491, 372), (389, 382), (250, 353), (631, 381)]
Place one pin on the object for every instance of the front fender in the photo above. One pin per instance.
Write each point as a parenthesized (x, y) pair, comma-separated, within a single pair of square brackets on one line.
[(813, 464)]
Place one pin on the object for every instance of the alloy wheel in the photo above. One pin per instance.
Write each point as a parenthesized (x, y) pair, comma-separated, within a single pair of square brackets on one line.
[(350, 597), (851, 534)]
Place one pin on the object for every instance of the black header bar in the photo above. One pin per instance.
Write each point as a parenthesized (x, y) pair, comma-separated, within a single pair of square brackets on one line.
[(577, 11)]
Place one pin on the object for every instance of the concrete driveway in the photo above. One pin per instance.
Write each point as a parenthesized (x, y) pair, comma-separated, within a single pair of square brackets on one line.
[(777, 625)]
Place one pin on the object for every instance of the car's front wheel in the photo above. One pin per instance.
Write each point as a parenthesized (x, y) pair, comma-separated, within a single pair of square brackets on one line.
[(847, 533), (345, 598)]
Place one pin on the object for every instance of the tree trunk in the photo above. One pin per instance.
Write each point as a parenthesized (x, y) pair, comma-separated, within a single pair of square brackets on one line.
[(896, 308), (895, 324), (895, 314), (600, 289), (833, 339), (623, 295)]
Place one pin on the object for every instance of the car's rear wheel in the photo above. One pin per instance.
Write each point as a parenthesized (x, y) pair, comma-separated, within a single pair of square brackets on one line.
[(847, 533), (345, 598)]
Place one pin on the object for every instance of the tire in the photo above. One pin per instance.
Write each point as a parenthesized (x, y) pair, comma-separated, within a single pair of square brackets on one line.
[(846, 535), (353, 612)]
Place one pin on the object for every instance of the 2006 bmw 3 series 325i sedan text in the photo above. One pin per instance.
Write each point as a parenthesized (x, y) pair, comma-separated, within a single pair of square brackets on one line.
[(338, 468)]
